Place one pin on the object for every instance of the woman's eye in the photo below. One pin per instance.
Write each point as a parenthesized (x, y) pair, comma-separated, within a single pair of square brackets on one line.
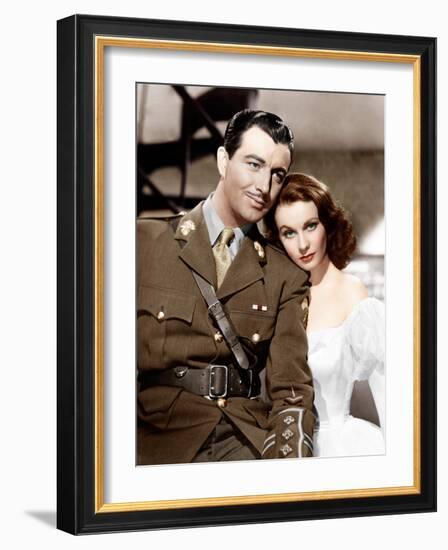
[(312, 226), (288, 234)]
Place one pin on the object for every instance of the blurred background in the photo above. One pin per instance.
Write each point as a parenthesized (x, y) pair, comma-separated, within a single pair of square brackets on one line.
[(339, 138)]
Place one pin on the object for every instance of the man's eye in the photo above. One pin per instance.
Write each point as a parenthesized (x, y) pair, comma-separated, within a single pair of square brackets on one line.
[(254, 165), (278, 177)]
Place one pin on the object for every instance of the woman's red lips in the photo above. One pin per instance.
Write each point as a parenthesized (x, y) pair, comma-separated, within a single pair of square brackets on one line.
[(307, 258)]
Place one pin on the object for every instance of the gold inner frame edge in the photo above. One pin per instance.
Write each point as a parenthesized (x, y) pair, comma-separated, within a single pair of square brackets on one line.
[(101, 42)]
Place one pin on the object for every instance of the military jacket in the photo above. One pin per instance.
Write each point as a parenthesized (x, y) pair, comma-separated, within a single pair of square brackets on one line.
[(265, 295)]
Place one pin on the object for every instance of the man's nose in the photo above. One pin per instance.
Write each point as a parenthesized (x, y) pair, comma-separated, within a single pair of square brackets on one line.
[(263, 183)]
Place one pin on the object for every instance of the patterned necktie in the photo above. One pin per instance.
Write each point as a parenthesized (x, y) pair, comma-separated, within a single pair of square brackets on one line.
[(221, 253)]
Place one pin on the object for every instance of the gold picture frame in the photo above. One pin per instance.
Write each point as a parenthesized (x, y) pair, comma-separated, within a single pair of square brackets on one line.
[(82, 42)]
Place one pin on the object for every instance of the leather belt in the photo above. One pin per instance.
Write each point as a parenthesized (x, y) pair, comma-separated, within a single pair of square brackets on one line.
[(213, 381)]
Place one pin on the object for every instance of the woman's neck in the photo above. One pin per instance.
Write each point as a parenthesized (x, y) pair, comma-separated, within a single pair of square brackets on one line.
[(322, 272)]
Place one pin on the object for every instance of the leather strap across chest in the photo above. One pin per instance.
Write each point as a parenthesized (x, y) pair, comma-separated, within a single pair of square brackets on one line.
[(219, 315)]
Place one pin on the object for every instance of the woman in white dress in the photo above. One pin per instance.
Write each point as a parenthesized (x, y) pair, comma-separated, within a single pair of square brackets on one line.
[(345, 327)]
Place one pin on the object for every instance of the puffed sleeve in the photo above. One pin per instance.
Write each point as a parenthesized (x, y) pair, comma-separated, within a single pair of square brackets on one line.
[(365, 348), (365, 332), (289, 380)]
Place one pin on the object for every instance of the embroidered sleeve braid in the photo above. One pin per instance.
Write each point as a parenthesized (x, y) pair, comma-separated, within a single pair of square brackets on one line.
[(288, 437)]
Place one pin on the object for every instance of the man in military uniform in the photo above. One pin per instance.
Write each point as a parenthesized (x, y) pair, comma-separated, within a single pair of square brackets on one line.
[(197, 400)]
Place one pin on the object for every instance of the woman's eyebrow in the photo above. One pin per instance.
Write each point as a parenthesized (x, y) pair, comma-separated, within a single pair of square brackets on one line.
[(307, 222), (311, 220)]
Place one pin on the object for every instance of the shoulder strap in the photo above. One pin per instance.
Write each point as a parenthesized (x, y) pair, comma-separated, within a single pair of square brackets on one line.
[(224, 323), (218, 313)]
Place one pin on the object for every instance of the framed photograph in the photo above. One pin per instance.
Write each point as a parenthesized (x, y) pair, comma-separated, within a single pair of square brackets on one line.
[(144, 111)]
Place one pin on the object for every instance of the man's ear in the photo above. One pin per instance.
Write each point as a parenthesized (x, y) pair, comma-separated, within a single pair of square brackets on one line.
[(222, 159)]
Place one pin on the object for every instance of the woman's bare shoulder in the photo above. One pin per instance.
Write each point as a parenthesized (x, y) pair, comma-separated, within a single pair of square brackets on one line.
[(353, 289)]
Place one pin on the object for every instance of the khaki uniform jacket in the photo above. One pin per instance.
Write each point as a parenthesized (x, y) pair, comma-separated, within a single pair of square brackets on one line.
[(174, 328)]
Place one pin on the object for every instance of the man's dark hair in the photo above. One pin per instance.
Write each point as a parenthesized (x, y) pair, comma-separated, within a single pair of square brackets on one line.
[(272, 124)]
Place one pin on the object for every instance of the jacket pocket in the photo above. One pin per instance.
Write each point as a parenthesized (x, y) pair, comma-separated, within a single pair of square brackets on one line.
[(255, 326), (164, 319)]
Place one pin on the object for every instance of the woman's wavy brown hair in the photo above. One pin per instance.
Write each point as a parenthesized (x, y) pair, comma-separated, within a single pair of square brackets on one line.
[(341, 239)]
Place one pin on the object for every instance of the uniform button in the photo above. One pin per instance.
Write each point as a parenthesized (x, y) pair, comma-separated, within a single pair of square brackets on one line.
[(255, 338), (161, 316), (222, 403), (218, 337)]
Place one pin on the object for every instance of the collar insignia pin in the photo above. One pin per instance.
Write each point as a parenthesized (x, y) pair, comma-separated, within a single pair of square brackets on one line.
[(186, 227), (259, 249)]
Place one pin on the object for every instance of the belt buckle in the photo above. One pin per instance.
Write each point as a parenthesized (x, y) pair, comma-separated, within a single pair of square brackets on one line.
[(213, 390)]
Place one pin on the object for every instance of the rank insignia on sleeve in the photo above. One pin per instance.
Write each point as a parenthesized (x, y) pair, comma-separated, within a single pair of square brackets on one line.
[(285, 450)]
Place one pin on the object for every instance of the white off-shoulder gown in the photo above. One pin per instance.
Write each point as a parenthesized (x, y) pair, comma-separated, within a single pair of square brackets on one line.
[(338, 357)]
